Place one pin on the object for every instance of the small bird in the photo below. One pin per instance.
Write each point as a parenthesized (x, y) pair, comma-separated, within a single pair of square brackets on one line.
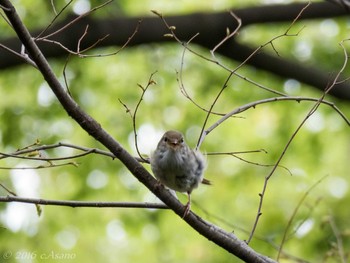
[(178, 167)]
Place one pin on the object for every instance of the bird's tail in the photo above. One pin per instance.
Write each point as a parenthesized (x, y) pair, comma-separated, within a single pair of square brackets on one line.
[(206, 181)]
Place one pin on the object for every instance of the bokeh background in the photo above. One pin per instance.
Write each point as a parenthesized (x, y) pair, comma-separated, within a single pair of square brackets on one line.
[(319, 154)]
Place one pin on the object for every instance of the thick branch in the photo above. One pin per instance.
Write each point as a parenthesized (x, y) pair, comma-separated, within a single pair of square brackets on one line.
[(211, 28), (226, 240)]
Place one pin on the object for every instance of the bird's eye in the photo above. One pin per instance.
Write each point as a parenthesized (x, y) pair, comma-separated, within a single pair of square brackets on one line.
[(181, 140), (165, 139)]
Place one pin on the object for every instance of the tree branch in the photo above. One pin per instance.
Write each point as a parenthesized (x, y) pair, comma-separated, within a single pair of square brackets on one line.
[(71, 203), (269, 100), (226, 240)]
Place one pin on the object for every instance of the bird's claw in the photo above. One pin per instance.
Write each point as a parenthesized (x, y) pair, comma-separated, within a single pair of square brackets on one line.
[(187, 209)]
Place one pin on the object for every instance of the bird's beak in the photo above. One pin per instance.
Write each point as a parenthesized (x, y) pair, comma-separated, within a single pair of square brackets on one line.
[(174, 144)]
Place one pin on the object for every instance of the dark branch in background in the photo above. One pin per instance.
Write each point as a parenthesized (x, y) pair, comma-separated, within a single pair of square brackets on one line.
[(211, 28), (343, 3), (226, 240)]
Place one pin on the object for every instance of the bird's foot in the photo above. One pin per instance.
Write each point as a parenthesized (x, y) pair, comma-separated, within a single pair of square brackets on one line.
[(187, 209)]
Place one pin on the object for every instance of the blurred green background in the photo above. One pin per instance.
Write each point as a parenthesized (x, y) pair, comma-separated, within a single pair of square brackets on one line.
[(30, 112)]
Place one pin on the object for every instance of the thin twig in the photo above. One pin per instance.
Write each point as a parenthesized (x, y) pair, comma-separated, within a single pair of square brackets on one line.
[(202, 134), (179, 74), (201, 137), (50, 165), (310, 113), (338, 237), (236, 228), (217, 62), (306, 217), (133, 115), (36, 149), (53, 7), (73, 21), (21, 56), (186, 47), (144, 89), (5, 9), (256, 163), (295, 211), (269, 100), (56, 16), (229, 35), (79, 52), (7, 189), (65, 75), (71, 203), (41, 158)]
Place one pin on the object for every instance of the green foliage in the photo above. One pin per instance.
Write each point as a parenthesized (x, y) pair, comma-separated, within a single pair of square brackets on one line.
[(29, 112)]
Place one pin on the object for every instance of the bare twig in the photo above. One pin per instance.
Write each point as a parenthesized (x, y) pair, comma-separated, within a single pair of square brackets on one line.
[(306, 217), (236, 228), (234, 71), (229, 35), (5, 8), (217, 62), (338, 237), (49, 165), (53, 7), (56, 16), (79, 52), (310, 113), (97, 204), (179, 75), (65, 75), (133, 115), (35, 151), (233, 154), (72, 22), (295, 211), (269, 100), (144, 89), (81, 39), (42, 158), (201, 137), (7, 189), (21, 56)]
